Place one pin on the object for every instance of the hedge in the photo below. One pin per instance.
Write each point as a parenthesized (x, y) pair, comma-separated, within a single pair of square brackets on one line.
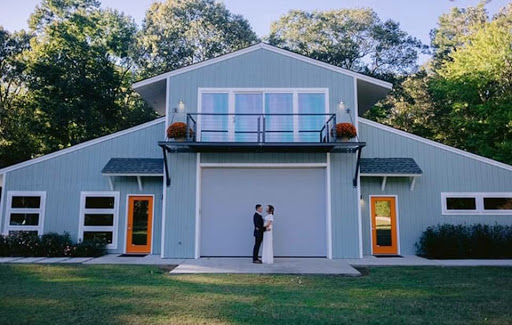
[(476, 241), (48, 245)]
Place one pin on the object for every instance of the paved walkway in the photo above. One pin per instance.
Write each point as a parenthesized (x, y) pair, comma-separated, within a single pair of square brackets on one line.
[(280, 266), (420, 261), (244, 265)]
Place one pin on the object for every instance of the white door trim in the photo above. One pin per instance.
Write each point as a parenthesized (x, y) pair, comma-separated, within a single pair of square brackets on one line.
[(397, 220), (263, 165), (200, 166), (126, 220), (329, 215), (2, 202)]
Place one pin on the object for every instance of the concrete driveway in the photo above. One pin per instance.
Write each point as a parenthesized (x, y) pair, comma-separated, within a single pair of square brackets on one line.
[(280, 266)]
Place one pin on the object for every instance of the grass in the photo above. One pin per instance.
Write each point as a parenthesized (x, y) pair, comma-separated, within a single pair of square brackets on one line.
[(128, 294)]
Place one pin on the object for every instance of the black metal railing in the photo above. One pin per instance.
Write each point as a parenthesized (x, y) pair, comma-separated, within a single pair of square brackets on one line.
[(261, 128)]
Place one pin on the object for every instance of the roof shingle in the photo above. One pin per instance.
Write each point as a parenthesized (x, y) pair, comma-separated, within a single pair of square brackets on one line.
[(134, 166), (391, 166)]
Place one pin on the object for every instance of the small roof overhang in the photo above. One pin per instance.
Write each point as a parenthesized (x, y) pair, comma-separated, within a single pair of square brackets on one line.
[(390, 167), (136, 167), (369, 89)]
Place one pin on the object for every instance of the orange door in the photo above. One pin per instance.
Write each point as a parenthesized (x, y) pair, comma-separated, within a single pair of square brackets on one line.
[(140, 220), (384, 235)]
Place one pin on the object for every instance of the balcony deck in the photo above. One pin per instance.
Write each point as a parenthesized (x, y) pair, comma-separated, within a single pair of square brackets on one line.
[(210, 132)]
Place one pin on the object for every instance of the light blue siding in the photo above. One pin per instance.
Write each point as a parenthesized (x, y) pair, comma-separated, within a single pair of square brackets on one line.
[(180, 206), (344, 211), (259, 69), (262, 69), (443, 171), (65, 176)]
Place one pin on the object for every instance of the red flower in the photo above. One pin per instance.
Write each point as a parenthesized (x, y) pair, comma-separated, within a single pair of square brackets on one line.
[(346, 130), (178, 130)]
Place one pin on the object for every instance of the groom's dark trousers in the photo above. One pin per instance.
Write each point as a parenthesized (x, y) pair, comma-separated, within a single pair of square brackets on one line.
[(258, 235)]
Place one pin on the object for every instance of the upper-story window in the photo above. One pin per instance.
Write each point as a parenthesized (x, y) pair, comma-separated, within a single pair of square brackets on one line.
[(240, 115)]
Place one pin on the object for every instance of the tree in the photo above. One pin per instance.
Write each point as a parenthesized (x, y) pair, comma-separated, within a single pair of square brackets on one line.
[(16, 141), (463, 96), (452, 29), (355, 39), (477, 84), (79, 70), (176, 33)]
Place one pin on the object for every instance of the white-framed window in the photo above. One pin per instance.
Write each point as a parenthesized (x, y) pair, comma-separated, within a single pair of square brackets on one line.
[(476, 203), (25, 211), (218, 127), (99, 215)]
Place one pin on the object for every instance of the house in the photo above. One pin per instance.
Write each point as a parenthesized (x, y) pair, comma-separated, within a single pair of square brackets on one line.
[(259, 130)]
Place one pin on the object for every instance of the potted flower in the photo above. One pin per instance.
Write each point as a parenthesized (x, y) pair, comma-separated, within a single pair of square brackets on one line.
[(345, 131), (178, 131)]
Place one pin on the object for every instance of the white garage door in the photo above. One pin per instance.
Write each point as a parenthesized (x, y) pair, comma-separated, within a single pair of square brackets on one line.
[(228, 197)]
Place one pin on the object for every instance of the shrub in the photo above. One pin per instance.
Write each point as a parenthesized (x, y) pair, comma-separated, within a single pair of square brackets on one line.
[(28, 244), (54, 245), (91, 248), (23, 243), (346, 130), (448, 241)]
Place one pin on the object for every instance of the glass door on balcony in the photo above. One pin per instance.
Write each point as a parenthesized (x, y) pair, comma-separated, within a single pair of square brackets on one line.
[(246, 126), (260, 115), (311, 103), (214, 128), (279, 128)]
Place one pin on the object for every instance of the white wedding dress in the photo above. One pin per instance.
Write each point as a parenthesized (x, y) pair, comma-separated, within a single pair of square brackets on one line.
[(267, 256)]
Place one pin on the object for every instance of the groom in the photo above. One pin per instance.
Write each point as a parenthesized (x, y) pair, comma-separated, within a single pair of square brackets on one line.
[(259, 229)]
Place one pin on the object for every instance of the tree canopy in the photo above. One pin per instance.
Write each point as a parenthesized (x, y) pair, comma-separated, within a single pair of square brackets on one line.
[(179, 33), (463, 96), (355, 39), (67, 79)]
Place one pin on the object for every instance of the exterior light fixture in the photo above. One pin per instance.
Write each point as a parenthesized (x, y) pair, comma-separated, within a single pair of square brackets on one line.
[(341, 105), (181, 106)]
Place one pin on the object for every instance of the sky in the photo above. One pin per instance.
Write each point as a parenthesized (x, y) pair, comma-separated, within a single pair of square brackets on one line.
[(417, 17)]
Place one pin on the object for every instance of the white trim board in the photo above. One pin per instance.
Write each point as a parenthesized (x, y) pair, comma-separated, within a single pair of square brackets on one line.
[(200, 166), (436, 144), (479, 201), (329, 207), (81, 145), (263, 165), (398, 248), (125, 241), (232, 92), (41, 211), (164, 183), (132, 175), (268, 47), (115, 210), (2, 200)]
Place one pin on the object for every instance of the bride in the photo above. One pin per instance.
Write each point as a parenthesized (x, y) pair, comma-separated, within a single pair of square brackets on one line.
[(267, 255)]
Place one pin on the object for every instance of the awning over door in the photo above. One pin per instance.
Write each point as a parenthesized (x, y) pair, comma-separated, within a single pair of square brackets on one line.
[(136, 167), (390, 167)]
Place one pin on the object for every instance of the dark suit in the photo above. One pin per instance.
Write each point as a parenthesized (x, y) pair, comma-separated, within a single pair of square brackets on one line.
[(259, 229)]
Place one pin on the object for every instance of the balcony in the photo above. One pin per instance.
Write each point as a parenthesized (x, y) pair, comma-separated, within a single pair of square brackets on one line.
[(211, 132)]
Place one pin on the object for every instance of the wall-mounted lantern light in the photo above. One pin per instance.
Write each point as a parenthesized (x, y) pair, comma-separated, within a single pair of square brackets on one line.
[(181, 106), (341, 105)]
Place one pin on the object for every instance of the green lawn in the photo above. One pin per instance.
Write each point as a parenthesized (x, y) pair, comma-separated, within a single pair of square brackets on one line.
[(86, 294)]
